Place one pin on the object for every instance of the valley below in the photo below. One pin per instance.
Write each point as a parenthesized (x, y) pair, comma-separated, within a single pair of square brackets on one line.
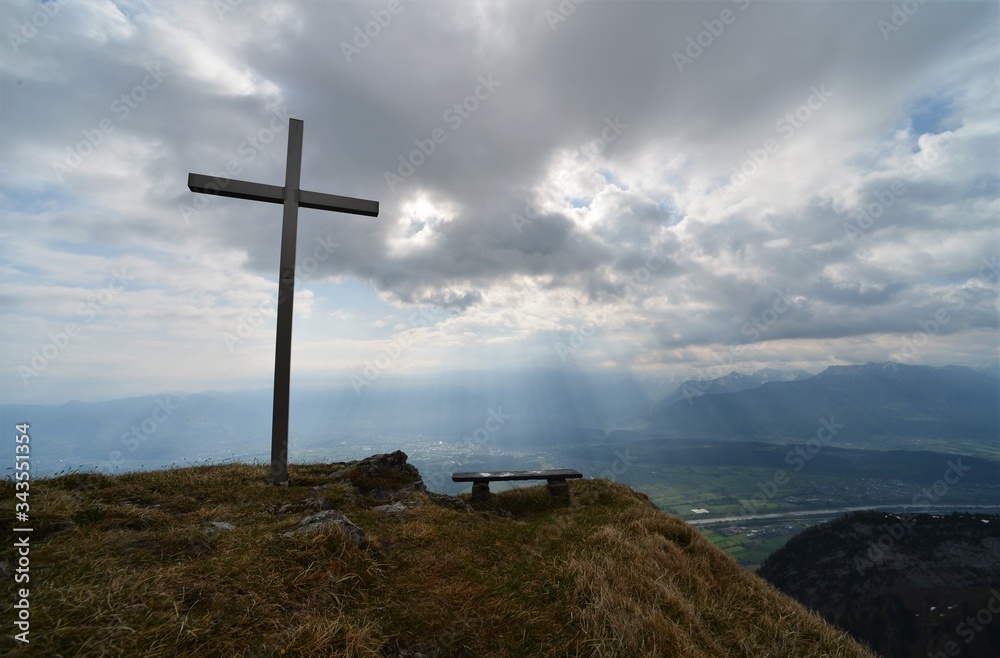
[(751, 460), (748, 497), (744, 496)]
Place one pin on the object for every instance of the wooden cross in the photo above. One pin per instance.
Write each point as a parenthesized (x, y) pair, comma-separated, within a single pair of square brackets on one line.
[(291, 197)]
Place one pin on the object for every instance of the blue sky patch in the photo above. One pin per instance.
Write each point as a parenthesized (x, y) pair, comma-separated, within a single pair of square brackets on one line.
[(610, 177), (929, 115), (33, 201)]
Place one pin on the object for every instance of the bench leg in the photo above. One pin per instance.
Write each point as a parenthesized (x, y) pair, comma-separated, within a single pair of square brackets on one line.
[(481, 491), (558, 488)]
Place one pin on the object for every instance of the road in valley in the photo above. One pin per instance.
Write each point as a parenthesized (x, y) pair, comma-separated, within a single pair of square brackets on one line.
[(845, 510)]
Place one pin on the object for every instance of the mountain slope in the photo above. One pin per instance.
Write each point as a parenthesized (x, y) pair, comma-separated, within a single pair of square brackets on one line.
[(731, 383), (213, 561), (870, 400), (906, 584)]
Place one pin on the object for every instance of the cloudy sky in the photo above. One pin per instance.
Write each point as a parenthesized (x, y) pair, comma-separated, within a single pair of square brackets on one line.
[(650, 187)]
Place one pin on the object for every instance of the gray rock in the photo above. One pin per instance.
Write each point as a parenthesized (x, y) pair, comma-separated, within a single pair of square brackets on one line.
[(385, 464), (386, 469), (317, 503), (395, 508), (328, 517), (217, 527)]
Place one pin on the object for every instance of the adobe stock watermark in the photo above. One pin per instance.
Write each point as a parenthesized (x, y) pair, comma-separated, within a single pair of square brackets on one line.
[(970, 626), (753, 329), (531, 213), (491, 425), (588, 152), (613, 129), (30, 25), (931, 327), (454, 116), (59, 341), (951, 476), (247, 151), (796, 459), (387, 356), (253, 318), (494, 422), (623, 461), (898, 17), (787, 126), (864, 218), (642, 275), (363, 35), (759, 324), (566, 8), (223, 7), (577, 339), (121, 107), (139, 433), (878, 549), (714, 28)]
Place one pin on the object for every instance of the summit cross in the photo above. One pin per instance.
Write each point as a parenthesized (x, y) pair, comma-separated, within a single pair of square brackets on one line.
[(291, 197)]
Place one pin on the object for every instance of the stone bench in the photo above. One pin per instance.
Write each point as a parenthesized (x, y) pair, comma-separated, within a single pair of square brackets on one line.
[(481, 481)]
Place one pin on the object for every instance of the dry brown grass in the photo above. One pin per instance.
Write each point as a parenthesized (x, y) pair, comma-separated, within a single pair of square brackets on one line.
[(605, 575)]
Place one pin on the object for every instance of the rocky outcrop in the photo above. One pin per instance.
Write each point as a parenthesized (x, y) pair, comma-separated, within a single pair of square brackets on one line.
[(908, 584), (383, 476)]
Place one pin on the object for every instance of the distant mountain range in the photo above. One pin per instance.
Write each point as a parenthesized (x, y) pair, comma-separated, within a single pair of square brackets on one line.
[(909, 585), (731, 383), (539, 408), (871, 400)]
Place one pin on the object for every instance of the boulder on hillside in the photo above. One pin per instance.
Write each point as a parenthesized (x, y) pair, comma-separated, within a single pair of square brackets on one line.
[(381, 475)]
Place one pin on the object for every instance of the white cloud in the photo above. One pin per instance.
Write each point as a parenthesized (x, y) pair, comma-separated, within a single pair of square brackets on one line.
[(644, 237)]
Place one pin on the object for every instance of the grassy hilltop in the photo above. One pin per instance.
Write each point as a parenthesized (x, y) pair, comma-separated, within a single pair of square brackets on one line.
[(144, 564)]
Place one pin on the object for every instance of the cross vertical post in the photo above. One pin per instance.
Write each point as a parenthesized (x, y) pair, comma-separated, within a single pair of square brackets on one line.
[(291, 197), (286, 297)]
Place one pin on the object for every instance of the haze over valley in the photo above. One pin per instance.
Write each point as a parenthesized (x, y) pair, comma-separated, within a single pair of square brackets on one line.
[(773, 450)]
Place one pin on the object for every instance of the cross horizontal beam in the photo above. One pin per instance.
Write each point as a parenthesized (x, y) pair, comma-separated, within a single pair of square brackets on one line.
[(241, 189)]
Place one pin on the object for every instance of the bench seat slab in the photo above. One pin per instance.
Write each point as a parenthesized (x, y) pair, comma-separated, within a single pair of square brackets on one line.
[(500, 476)]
